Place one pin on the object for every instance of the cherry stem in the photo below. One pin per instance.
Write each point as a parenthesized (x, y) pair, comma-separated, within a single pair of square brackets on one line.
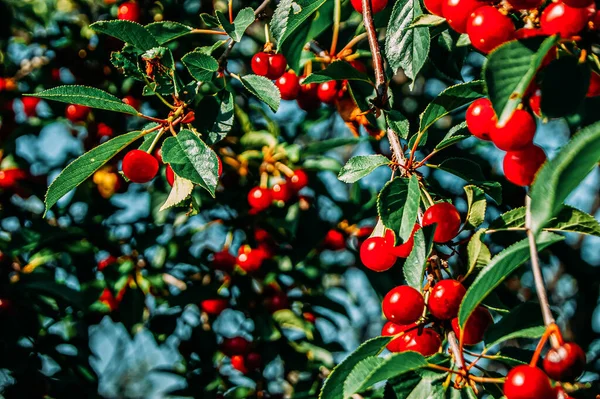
[(550, 332), (337, 15), (354, 41), (155, 141), (230, 11), (208, 32), (150, 118), (456, 350)]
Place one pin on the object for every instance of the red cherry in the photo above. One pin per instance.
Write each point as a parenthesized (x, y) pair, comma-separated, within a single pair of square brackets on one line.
[(298, 180), (9, 178), (335, 240), (311, 318), (480, 118), (447, 218), (288, 85), (170, 175), (250, 259), (308, 98), (277, 65), (517, 133), (559, 18), (132, 101), (565, 363), (281, 192), (535, 103), (445, 299), (525, 4), (457, 12), (435, 7), (103, 130), (106, 262), (376, 5), (526, 33), (77, 113), (403, 305), (253, 361), (594, 88), (238, 363), (260, 64), (214, 307), (359, 66), (276, 301), (259, 198), (520, 167), (488, 28), (220, 167), (578, 3), (422, 340), (139, 166), (476, 326), (235, 346), (109, 299), (2, 84), (6, 306), (328, 91), (376, 252), (129, 11), (403, 250), (527, 382), (223, 260), (29, 105), (391, 328)]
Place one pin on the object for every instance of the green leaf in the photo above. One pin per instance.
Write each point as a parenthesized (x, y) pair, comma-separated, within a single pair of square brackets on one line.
[(472, 173), (202, 67), (398, 123), (500, 267), (372, 370), (165, 31), (414, 267), (339, 70), (182, 189), (126, 61), (524, 321), (333, 388), (449, 100), (476, 206), (510, 69), (360, 166), (290, 17), (83, 167), (411, 209), (128, 32), (390, 203), (224, 121), (264, 89), (242, 21), (88, 96), (286, 318), (258, 139), (323, 163), (280, 18), (558, 177), (192, 159), (564, 87), (456, 134), (406, 49), (478, 253), (427, 20), (320, 147), (419, 385)]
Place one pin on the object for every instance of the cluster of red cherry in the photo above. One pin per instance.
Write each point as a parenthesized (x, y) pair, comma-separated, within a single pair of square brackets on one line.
[(261, 198), (129, 11)]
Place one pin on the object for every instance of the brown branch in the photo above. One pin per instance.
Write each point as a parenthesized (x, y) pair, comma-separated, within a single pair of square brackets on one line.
[(380, 83), (456, 352)]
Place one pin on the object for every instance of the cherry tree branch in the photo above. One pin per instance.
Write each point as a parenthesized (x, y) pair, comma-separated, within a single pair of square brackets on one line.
[(380, 83), (456, 352)]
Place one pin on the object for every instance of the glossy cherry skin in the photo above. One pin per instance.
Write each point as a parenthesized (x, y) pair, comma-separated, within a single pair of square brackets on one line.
[(281, 192), (238, 362), (376, 5), (335, 240), (565, 363), (214, 307), (594, 88), (404, 249), (29, 105), (132, 101), (520, 167), (235, 346), (535, 103), (260, 64), (10, 178), (308, 98), (488, 28), (525, 4), (253, 361), (578, 3), (250, 259), (129, 11), (260, 198), (170, 175), (526, 382), (457, 12), (289, 85), (277, 65), (328, 91), (480, 118), (139, 166), (223, 260), (76, 113), (435, 7), (298, 180), (447, 218), (559, 18), (425, 341), (517, 133), (390, 328), (403, 305), (445, 299), (375, 254), (476, 326)]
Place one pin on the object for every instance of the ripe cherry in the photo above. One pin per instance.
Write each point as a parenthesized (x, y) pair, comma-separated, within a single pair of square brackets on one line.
[(520, 167), (526, 33), (10, 178), (223, 260), (403, 305), (281, 191), (335, 240), (139, 166), (308, 98), (435, 7), (103, 130), (238, 362), (517, 133), (480, 118), (457, 12), (253, 361), (358, 65), (447, 218), (391, 328), (425, 341), (129, 11), (170, 175), (525, 4), (565, 363), (289, 85), (214, 307), (2, 84), (132, 101), (220, 167), (260, 64), (106, 262), (526, 382), (488, 28), (298, 180), (235, 346), (271, 66), (328, 91), (445, 299), (277, 300), (77, 113), (29, 105), (260, 198), (403, 250), (376, 5), (376, 252), (535, 103), (578, 3), (476, 326), (109, 299), (559, 18), (250, 259), (594, 88)]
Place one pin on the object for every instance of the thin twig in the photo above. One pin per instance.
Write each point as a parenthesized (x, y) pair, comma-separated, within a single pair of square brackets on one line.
[(455, 348), (337, 12), (380, 82), (208, 32), (354, 41)]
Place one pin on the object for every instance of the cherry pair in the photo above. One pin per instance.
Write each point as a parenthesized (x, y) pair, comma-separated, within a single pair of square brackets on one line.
[(260, 198)]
